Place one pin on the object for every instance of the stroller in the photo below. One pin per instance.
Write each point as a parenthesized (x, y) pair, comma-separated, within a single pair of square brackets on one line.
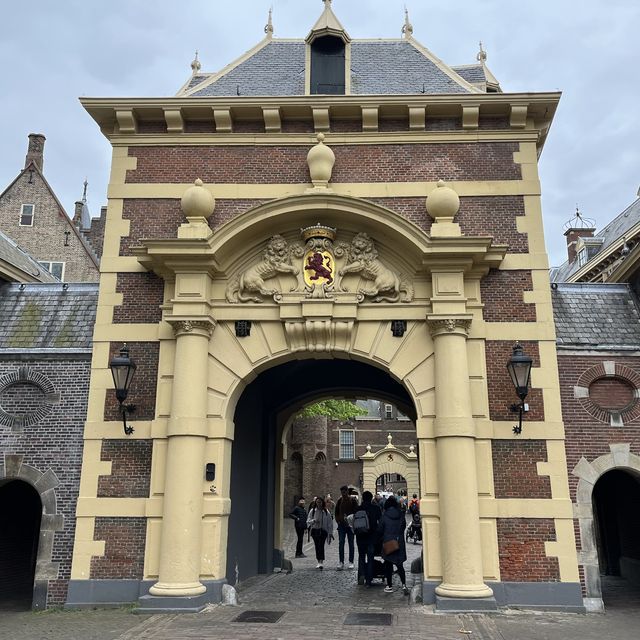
[(414, 530)]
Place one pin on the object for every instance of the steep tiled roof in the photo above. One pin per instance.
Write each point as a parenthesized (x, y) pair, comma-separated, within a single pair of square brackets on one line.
[(596, 316), (47, 316), (21, 261), (471, 73), (377, 67)]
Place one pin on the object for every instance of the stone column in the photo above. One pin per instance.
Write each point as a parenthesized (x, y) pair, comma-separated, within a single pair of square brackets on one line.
[(181, 541), (462, 575)]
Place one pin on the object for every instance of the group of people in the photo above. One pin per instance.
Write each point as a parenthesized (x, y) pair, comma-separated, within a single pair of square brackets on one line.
[(378, 529)]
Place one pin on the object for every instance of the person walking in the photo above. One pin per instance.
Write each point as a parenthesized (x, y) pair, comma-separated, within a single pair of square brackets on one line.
[(366, 539), (394, 551), (346, 506), (299, 515), (320, 525)]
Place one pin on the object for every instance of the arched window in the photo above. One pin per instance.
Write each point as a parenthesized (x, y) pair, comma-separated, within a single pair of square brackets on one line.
[(328, 66)]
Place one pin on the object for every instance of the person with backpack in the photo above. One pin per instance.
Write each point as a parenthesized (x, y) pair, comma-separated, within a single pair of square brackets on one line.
[(299, 515), (394, 551), (414, 504), (365, 528), (346, 506), (320, 525)]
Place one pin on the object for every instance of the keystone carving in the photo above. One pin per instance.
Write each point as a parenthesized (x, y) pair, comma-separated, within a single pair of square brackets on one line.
[(250, 285), (362, 258)]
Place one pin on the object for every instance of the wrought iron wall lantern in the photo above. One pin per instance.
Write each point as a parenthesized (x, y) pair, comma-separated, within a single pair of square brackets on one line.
[(519, 368), (122, 370)]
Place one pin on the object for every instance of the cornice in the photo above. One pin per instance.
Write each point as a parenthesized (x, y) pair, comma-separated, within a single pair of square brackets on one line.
[(530, 112)]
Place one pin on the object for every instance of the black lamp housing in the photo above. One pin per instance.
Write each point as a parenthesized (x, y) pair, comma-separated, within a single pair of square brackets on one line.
[(519, 368), (123, 370)]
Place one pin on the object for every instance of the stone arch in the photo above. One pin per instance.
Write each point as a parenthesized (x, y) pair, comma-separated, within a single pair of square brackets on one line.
[(390, 459), (45, 483), (589, 473)]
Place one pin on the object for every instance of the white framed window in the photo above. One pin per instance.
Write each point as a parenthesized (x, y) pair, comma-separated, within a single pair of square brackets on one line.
[(26, 215), (54, 268), (388, 411), (582, 257), (347, 444)]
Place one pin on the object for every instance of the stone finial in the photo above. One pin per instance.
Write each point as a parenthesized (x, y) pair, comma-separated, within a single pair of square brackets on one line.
[(195, 65), (407, 27), (412, 448), (482, 54), (197, 202), (268, 28), (442, 205), (368, 448), (320, 160), (389, 439)]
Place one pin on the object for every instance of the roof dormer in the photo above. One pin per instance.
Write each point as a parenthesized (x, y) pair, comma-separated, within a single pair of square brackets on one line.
[(328, 56)]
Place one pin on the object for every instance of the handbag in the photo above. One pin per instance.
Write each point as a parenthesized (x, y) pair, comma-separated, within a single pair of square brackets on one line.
[(390, 546)]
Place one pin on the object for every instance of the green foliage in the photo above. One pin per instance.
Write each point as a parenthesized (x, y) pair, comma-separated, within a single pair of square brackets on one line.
[(334, 409)]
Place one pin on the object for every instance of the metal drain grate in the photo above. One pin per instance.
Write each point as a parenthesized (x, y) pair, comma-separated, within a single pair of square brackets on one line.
[(260, 617), (370, 619)]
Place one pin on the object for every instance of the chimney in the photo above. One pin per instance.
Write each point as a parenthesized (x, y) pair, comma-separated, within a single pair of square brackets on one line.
[(35, 152), (573, 234), (77, 215)]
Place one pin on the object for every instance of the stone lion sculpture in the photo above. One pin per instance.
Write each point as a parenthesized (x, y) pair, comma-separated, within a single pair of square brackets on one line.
[(386, 286), (276, 259)]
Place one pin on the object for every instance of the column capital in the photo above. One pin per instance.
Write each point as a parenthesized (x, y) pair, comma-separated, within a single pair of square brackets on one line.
[(198, 327), (443, 325)]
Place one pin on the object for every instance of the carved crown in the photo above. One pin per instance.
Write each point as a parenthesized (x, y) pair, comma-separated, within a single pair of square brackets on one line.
[(318, 231)]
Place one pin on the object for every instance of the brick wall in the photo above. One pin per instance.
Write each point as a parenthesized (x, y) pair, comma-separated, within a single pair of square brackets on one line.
[(55, 443), (354, 163), (586, 435), (515, 473), (45, 240), (142, 295), (521, 550), (142, 392), (124, 549), (130, 469), (501, 391), (502, 294)]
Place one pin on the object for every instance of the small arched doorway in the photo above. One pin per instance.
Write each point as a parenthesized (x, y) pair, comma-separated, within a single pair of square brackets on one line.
[(616, 507), (21, 511)]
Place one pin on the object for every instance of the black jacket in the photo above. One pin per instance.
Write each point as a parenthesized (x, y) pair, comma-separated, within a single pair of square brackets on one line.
[(299, 514), (391, 527), (374, 513)]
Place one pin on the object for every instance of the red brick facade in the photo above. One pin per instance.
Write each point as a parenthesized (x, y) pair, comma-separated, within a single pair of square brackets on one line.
[(142, 295), (521, 550), (130, 469), (502, 294), (515, 474), (124, 548)]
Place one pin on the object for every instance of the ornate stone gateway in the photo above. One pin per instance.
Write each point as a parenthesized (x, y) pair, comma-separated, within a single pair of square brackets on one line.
[(324, 265)]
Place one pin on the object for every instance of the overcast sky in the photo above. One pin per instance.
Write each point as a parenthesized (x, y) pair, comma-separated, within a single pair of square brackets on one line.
[(52, 52)]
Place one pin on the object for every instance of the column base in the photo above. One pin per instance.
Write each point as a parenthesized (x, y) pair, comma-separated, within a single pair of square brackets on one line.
[(451, 605), (464, 590), (180, 589)]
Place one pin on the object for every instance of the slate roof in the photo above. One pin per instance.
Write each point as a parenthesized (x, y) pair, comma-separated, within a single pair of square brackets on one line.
[(617, 228), (395, 67), (47, 316), (12, 254), (471, 73), (596, 316)]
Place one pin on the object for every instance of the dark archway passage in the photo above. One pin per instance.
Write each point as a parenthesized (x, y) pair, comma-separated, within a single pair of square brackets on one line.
[(616, 505), (258, 427), (20, 516)]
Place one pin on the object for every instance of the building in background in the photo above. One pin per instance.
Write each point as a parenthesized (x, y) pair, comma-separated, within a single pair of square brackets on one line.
[(34, 219)]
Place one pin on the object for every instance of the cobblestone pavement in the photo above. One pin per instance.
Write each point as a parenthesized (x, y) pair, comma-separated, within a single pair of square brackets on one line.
[(314, 605)]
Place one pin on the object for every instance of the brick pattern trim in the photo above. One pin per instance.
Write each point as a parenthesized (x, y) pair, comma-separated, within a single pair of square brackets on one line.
[(502, 293), (515, 474), (123, 558), (130, 469), (522, 553), (501, 392)]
